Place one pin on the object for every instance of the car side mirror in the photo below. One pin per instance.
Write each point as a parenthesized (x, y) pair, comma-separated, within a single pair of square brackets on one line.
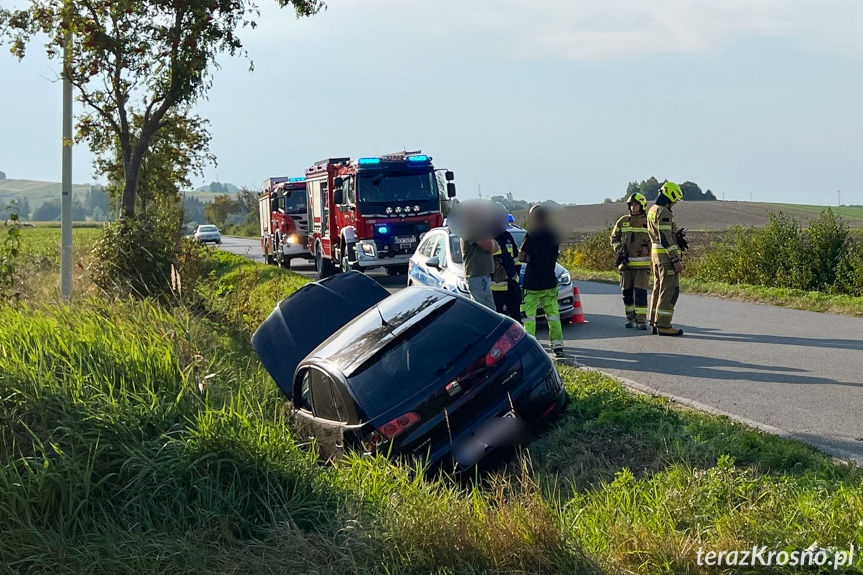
[(433, 262), (450, 190), (338, 196), (449, 176)]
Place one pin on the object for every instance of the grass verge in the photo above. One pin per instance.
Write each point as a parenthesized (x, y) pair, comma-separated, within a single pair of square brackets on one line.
[(139, 438)]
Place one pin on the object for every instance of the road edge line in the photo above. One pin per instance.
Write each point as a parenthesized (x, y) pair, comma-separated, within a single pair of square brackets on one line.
[(838, 454)]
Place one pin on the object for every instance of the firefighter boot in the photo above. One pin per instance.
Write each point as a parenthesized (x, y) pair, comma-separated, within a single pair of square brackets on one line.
[(668, 331), (630, 323), (642, 326)]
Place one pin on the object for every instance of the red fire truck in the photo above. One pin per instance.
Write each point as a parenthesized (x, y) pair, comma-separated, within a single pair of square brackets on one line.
[(283, 224), (372, 212)]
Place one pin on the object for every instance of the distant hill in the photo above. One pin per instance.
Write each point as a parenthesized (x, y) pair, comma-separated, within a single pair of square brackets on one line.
[(702, 216), (36, 192)]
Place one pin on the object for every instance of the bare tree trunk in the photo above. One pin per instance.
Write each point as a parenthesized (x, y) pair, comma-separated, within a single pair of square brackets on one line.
[(130, 187)]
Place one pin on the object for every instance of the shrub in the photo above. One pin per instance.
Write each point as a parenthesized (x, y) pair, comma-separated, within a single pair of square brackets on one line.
[(823, 257), (593, 252), (135, 256)]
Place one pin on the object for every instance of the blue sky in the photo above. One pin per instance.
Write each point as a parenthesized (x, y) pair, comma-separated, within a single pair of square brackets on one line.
[(562, 99)]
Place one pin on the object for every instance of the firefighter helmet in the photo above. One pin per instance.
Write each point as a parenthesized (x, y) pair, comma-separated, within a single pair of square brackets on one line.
[(671, 191), (636, 197)]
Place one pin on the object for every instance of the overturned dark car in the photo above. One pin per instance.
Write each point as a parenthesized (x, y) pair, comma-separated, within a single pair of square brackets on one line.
[(424, 372)]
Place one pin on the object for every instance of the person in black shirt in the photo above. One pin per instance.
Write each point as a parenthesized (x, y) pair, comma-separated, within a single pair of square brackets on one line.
[(540, 250)]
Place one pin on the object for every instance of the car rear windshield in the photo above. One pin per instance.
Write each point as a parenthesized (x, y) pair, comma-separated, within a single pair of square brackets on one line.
[(419, 357), (209, 229)]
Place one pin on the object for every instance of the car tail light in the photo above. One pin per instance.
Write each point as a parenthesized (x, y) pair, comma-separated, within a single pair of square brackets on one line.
[(398, 425), (506, 342), (371, 443)]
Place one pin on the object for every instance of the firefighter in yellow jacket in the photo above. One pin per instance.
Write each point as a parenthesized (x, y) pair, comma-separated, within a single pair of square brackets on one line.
[(665, 257), (632, 244)]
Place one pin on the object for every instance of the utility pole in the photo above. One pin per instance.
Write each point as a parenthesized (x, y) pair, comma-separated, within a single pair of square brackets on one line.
[(750, 196), (479, 189), (839, 199), (723, 196), (66, 186)]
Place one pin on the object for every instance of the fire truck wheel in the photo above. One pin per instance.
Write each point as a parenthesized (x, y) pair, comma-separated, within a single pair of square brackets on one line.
[(323, 265), (286, 263)]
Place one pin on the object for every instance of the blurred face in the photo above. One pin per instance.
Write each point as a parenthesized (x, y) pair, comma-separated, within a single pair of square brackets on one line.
[(635, 208)]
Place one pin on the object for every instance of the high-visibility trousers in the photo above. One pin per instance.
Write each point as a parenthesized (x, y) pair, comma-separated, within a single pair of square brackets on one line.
[(633, 285), (548, 299), (666, 291)]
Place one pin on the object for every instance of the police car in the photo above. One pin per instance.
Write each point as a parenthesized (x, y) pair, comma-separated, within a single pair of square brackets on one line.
[(437, 262)]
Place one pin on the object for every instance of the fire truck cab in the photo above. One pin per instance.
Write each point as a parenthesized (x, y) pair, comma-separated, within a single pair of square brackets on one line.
[(283, 223), (372, 212)]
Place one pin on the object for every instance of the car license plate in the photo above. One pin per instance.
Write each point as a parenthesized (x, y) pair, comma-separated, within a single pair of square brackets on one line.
[(406, 239)]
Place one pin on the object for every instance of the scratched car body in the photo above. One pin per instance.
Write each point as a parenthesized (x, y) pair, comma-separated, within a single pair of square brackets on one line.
[(423, 373)]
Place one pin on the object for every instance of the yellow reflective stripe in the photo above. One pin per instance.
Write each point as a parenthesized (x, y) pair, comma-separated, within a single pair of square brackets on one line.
[(630, 308), (639, 264), (665, 312), (643, 230), (660, 251), (640, 259), (664, 228), (641, 310)]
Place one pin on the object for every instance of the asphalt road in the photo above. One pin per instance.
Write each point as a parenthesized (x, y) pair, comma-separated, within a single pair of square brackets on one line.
[(787, 371)]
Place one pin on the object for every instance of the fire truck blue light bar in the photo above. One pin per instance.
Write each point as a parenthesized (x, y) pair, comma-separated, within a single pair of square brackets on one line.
[(418, 158), (370, 161), (297, 180), (382, 230)]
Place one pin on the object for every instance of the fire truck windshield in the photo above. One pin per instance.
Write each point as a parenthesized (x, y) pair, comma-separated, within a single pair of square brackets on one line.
[(397, 187), (295, 203)]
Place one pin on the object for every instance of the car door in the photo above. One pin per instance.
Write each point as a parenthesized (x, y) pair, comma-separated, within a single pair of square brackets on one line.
[(420, 258), (438, 251), (321, 414)]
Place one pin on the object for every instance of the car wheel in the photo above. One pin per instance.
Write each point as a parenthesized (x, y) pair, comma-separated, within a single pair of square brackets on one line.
[(286, 263)]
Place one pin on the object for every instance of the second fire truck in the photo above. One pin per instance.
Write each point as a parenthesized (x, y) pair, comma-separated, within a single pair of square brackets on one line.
[(372, 212), (283, 223)]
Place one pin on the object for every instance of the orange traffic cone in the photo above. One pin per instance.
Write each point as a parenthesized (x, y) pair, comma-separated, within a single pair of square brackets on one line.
[(578, 311)]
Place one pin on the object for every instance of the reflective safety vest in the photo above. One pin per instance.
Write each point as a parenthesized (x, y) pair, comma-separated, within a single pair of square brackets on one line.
[(663, 235), (499, 280), (631, 231)]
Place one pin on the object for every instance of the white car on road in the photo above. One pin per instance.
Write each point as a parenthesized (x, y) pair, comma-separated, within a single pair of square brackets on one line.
[(437, 262), (207, 234)]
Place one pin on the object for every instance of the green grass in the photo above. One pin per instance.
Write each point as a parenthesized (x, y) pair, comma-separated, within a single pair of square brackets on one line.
[(138, 438), (853, 212)]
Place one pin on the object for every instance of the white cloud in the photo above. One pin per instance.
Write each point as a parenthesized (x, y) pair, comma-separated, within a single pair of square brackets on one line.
[(584, 30)]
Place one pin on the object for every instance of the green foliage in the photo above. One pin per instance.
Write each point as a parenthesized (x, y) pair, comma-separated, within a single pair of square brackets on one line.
[(823, 257), (136, 63), (217, 211), (10, 250), (592, 253), (243, 293), (138, 438), (135, 256), (650, 188), (47, 212)]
